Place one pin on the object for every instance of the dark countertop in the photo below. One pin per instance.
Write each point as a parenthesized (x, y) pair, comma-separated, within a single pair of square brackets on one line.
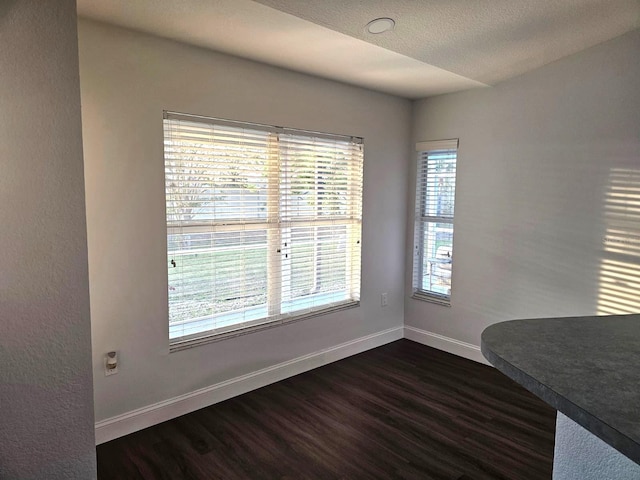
[(586, 367)]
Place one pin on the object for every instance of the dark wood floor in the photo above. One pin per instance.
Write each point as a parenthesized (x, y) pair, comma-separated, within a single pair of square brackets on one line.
[(400, 411)]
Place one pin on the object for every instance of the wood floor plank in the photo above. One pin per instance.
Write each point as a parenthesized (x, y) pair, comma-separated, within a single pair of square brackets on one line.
[(401, 411)]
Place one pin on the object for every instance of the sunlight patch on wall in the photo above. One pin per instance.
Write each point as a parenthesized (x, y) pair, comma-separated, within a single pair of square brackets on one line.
[(619, 284)]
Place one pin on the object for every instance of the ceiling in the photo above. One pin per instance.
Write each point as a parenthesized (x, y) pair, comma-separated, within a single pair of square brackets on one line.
[(437, 46)]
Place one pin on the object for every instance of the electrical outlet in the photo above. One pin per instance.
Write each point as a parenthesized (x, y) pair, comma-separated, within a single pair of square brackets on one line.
[(384, 299), (110, 364)]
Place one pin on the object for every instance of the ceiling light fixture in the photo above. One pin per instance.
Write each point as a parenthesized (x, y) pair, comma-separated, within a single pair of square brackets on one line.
[(380, 25)]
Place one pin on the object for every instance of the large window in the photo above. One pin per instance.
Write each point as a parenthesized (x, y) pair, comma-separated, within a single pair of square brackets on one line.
[(433, 230), (263, 225)]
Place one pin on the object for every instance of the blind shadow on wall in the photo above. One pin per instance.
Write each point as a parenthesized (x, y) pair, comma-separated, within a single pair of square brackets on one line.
[(619, 279)]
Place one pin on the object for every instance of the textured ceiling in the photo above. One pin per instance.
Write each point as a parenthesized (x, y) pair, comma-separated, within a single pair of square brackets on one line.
[(438, 46), (486, 40)]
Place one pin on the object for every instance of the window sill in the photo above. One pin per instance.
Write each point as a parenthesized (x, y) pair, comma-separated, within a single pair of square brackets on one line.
[(438, 300), (184, 343)]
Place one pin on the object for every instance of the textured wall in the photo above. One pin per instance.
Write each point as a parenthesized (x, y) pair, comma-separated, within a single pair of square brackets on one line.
[(548, 173), (127, 79), (580, 455), (46, 404)]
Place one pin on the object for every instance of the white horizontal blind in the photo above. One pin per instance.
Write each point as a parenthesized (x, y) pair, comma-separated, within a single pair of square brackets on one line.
[(434, 213), (263, 225)]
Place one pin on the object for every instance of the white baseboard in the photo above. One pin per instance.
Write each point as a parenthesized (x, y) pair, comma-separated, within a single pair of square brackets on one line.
[(135, 420), (446, 344)]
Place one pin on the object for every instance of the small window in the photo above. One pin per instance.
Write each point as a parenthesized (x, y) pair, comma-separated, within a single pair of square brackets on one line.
[(263, 225), (433, 234)]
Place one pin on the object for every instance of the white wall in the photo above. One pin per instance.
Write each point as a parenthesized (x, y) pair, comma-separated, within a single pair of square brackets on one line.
[(127, 79), (46, 404), (534, 219)]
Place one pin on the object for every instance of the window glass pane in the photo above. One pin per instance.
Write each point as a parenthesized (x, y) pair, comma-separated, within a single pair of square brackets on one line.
[(316, 176), (318, 260), (303, 273), (215, 173), (319, 269), (438, 176), (213, 273), (438, 257)]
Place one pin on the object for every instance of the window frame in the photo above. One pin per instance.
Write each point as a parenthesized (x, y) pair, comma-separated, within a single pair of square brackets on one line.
[(422, 220), (277, 226)]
